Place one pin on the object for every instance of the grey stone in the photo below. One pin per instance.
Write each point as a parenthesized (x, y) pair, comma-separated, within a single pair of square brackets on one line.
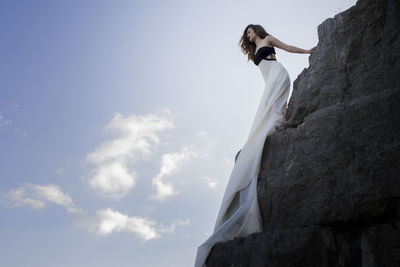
[(329, 185), (312, 246)]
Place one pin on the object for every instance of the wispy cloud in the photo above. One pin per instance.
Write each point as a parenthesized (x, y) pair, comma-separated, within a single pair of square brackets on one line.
[(18, 132), (211, 183), (172, 227), (108, 221), (105, 222), (4, 122), (111, 176), (36, 196), (171, 163)]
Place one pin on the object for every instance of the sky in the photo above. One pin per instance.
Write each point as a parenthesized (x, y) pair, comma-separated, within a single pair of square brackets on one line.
[(120, 121)]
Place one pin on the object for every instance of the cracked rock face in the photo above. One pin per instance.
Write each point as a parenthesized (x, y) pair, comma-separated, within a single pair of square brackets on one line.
[(329, 185)]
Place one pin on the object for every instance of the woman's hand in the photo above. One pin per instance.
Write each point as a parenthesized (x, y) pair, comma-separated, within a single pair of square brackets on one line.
[(310, 51)]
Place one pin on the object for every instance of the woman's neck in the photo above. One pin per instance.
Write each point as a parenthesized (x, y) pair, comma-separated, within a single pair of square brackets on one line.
[(258, 41)]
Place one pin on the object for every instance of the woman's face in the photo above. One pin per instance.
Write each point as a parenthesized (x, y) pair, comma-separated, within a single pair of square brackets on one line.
[(251, 34)]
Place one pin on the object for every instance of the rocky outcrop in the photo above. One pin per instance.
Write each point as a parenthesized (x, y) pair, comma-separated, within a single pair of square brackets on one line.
[(329, 186)]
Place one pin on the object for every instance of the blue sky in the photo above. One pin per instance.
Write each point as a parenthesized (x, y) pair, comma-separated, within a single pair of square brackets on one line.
[(120, 120)]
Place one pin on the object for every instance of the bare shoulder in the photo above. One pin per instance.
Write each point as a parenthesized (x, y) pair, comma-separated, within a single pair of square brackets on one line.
[(272, 41), (269, 40)]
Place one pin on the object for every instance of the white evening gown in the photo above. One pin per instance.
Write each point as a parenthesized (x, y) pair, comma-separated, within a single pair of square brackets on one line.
[(239, 214)]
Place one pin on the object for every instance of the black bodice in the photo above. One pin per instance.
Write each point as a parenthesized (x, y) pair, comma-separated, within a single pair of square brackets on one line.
[(262, 53)]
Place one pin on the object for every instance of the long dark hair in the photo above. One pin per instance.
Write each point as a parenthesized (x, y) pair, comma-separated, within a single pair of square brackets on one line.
[(247, 47)]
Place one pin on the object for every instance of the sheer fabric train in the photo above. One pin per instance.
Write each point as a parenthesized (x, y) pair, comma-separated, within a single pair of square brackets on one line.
[(239, 214)]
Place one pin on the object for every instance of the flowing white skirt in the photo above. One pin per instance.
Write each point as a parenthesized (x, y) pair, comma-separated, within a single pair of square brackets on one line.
[(239, 214)]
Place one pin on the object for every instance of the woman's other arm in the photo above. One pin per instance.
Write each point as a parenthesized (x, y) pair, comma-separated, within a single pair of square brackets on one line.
[(289, 48)]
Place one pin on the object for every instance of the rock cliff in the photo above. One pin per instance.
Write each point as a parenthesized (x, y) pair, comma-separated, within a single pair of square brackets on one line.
[(329, 186)]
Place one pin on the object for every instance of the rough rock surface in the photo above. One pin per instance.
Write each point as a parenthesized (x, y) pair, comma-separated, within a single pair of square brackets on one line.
[(329, 187)]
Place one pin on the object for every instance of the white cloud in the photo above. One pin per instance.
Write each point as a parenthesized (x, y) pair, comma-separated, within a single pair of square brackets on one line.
[(4, 122), (20, 196), (108, 221), (20, 133), (36, 196), (172, 227), (138, 135), (211, 183), (113, 180), (171, 163), (105, 222)]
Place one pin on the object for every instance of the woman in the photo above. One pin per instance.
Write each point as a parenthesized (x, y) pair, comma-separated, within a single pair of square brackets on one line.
[(239, 214)]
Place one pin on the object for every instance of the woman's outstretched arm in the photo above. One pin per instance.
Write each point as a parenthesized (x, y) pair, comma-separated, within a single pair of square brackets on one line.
[(289, 48)]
